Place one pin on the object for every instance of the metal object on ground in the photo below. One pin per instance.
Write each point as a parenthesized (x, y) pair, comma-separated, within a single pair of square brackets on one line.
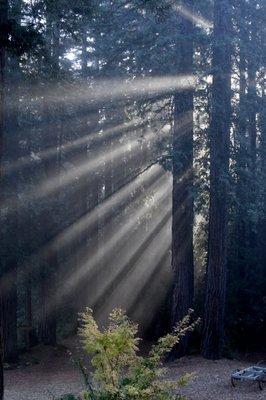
[(255, 373)]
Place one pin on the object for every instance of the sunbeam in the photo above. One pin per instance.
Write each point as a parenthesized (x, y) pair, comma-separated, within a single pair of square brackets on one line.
[(193, 17), (88, 140), (88, 222), (153, 292), (103, 91), (87, 168), (104, 209), (126, 288), (129, 251), (121, 233)]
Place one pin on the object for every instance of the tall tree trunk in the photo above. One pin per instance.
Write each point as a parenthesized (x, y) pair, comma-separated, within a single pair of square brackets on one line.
[(182, 222), (3, 38), (262, 224), (252, 104), (52, 135), (241, 228), (49, 263), (252, 135), (9, 255), (48, 311), (212, 343)]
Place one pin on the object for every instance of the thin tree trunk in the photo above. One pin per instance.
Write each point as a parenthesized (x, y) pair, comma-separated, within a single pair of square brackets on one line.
[(3, 38), (49, 263), (262, 224), (48, 317), (182, 222), (48, 277), (241, 137), (212, 343), (252, 135), (252, 103), (10, 313)]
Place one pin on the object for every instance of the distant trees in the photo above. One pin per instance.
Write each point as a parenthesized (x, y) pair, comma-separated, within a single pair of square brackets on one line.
[(245, 213), (182, 211)]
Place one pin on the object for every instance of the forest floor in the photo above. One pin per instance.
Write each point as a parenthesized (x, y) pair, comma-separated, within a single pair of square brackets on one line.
[(51, 373)]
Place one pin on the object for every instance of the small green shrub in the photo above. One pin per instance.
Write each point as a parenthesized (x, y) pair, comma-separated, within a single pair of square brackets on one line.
[(119, 372)]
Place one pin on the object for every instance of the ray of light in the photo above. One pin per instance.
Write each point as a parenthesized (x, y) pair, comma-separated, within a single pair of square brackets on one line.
[(104, 209), (121, 261), (156, 273), (129, 251), (193, 17), (87, 168), (87, 140), (103, 90), (144, 85), (128, 280), (128, 293), (89, 221), (87, 268), (154, 292)]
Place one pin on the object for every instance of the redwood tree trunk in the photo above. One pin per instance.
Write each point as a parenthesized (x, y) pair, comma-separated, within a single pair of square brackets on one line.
[(252, 135), (49, 263), (53, 138), (48, 318), (182, 222), (3, 38), (212, 343), (262, 222)]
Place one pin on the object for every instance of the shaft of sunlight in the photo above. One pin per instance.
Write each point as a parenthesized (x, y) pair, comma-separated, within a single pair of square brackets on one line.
[(105, 209), (106, 90), (89, 167), (88, 140), (87, 268), (89, 221), (123, 260), (193, 17), (128, 288)]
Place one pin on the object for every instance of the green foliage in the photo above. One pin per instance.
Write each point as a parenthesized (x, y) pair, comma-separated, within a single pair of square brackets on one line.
[(23, 39), (119, 372)]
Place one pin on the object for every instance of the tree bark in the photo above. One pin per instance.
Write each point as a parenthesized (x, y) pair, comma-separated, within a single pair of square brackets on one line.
[(3, 38), (49, 262), (212, 343), (48, 318), (52, 135), (241, 227), (262, 222), (182, 221), (8, 257)]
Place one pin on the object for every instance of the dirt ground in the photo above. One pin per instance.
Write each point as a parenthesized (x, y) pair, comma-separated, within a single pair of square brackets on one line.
[(212, 380), (53, 373)]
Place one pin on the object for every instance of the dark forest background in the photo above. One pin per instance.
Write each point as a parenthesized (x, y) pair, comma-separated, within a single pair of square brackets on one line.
[(133, 168)]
